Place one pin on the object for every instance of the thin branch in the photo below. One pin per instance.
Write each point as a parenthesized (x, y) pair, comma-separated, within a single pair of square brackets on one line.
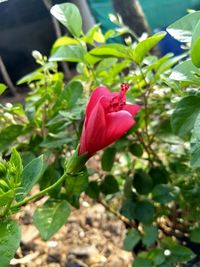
[(40, 193), (48, 4), (140, 138), (116, 214), (7, 78)]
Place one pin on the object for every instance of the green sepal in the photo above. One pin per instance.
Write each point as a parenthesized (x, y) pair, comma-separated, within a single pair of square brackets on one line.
[(75, 163)]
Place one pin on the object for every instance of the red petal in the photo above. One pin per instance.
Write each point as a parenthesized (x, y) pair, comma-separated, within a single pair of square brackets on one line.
[(101, 128), (95, 127), (132, 108), (82, 147), (117, 124), (96, 95)]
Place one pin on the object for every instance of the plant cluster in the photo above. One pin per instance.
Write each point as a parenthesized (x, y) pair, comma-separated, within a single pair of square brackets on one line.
[(151, 172)]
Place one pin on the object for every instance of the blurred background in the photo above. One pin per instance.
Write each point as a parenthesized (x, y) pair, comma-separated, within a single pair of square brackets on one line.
[(26, 25)]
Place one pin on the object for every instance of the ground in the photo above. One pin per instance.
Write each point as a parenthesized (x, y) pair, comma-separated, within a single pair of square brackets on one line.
[(92, 237)]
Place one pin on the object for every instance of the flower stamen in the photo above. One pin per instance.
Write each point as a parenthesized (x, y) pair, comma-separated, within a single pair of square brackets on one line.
[(117, 102)]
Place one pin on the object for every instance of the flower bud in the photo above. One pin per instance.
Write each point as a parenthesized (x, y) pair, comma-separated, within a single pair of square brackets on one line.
[(37, 55), (108, 117)]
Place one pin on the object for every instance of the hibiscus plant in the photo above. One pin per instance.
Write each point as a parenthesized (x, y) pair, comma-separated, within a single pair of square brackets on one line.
[(138, 113)]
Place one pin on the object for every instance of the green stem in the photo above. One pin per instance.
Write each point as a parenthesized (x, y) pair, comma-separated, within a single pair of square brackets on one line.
[(73, 166), (145, 97), (41, 193), (7, 208)]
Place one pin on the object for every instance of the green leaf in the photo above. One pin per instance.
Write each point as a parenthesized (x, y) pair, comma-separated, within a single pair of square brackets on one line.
[(143, 47), (111, 50), (109, 185), (155, 63), (49, 177), (50, 217), (195, 52), (185, 115), (31, 77), (31, 175), (132, 239), (183, 28), (9, 134), (4, 187), (165, 264), (90, 59), (195, 46), (128, 187), (93, 190), (142, 262), (136, 150), (142, 182), (71, 93), (186, 72), (144, 212), (94, 35), (150, 235), (162, 194), (168, 64), (16, 161), (2, 88), (106, 64), (128, 209), (180, 253), (27, 157), (118, 67), (9, 241), (75, 185), (108, 159), (70, 53), (69, 15), (157, 256), (195, 144), (52, 142), (6, 197), (89, 37), (195, 235), (159, 175), (64, 40)]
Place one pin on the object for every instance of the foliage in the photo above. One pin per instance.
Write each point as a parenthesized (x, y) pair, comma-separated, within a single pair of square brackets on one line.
[(152, 171)]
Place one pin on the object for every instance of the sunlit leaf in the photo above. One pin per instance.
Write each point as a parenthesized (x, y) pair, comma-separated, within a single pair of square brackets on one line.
[(182, 29), (143, 47), (71, 53), (112, 50), (2, 88), (185, 115), (195, 56), (68, 14)]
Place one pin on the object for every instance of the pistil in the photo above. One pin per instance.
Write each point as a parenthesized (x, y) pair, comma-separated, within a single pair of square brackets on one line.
[(117, 102)]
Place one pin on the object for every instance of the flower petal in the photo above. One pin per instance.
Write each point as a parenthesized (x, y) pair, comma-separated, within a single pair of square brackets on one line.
[(117, 124), (95, 128), (96, 95), (102, 126), (82, 147), (132, 108)]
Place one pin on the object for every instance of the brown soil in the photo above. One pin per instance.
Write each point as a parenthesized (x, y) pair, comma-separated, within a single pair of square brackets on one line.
[(91, 238)]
